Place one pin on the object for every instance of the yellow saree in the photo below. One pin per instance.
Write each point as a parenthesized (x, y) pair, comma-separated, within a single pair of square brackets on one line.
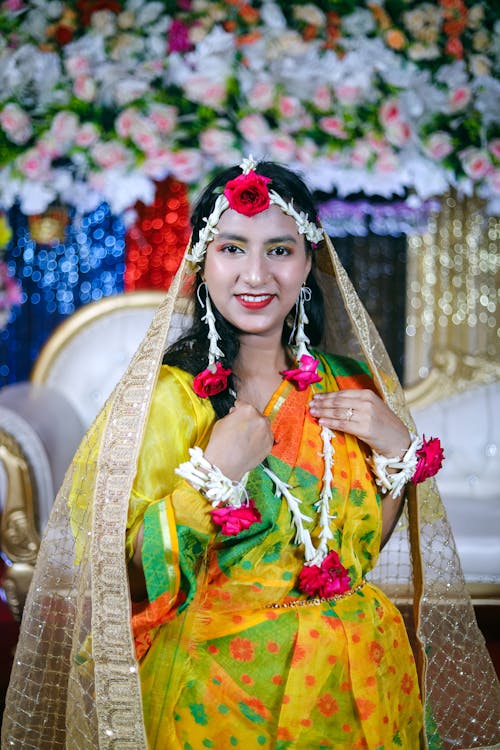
[(249, 663)]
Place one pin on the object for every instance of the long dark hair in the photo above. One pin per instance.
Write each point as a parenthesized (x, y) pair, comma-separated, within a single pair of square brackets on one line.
[(190, 352)]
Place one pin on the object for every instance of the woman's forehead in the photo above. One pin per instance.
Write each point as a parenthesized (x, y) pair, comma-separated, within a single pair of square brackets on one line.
[(269, 223)]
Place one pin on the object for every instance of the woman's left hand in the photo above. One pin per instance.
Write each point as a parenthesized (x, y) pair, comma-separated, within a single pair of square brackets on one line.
[(362, 413)]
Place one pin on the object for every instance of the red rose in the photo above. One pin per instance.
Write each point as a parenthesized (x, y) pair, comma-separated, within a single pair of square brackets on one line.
[(248, 193), (430, 458), (209, 383), (305, 374), (325, 580), (233, 520)]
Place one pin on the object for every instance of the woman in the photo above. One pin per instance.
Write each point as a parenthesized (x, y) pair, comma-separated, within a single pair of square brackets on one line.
[(255, 479), (240, 649)]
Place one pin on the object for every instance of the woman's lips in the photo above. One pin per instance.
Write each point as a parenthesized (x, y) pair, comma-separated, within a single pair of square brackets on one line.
[(254, 301)]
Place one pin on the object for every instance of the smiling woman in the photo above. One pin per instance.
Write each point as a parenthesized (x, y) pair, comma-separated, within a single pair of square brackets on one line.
[(254, 270), (256, 477)]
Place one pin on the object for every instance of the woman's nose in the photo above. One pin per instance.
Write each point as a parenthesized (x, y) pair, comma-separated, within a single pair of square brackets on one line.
[(255, 271)]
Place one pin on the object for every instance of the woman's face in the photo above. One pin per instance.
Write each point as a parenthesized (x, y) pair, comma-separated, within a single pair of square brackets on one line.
[(254, 269)]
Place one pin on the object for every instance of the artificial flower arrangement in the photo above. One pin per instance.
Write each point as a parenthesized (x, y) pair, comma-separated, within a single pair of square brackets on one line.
[(101, 98), (10, 289)]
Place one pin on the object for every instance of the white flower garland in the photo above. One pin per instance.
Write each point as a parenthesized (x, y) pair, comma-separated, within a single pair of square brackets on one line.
[(312, 555), (395, 482), (211, 482)]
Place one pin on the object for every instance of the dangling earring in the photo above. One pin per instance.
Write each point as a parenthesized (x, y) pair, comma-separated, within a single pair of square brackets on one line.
[(298, 337), (307, 371), (213, 379), (214, 352)]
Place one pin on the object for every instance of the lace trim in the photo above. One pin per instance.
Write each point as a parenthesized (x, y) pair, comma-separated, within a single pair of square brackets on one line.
[(317, 600)]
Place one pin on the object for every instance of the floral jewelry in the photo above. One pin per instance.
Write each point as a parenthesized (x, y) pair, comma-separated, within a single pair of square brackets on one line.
[(422, 460), (248, 194), (213, 379), (307, 371), (232, 509)]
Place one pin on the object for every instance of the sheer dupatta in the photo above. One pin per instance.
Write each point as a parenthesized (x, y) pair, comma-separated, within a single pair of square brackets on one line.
[(75, 681)]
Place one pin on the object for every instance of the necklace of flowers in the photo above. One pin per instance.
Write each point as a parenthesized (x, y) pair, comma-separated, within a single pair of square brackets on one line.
[(323, 574)]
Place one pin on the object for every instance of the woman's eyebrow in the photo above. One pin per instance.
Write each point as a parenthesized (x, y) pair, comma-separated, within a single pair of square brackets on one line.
[(272, 240)]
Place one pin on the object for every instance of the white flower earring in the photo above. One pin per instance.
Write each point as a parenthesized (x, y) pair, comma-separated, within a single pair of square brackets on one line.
[(298, 337), (213, 379)]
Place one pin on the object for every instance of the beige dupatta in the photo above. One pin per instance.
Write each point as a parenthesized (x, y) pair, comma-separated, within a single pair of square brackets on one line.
[(75, 681)]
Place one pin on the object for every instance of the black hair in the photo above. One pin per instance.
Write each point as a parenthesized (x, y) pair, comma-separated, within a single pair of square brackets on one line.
[(190, 352)]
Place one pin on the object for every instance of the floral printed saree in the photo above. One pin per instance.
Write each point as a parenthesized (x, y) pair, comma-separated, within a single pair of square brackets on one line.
[(231, 653)]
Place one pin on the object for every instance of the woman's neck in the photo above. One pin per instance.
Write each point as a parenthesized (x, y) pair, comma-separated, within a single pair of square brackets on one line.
[(258, 358), (257, 368)]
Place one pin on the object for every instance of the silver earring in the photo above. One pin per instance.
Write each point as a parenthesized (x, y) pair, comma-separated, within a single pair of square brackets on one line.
[(214, 352), (298, 337)]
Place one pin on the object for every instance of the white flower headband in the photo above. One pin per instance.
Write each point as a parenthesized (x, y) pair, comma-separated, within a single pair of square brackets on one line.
[(248, 194)]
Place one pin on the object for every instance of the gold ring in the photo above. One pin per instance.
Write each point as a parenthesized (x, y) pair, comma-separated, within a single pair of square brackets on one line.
[(348, 414)]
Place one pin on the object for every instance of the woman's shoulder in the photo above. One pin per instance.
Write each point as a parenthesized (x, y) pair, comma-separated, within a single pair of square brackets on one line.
[(347, 371), (174, 388)]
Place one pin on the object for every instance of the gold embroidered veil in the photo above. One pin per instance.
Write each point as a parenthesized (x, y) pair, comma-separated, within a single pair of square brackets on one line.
[(75, 681)]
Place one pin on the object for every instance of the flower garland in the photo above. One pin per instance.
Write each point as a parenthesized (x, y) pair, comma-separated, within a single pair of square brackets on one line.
[(98, 100)]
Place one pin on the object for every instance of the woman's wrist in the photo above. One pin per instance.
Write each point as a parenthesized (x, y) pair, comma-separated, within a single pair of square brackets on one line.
[(420, 461), (211, 481)]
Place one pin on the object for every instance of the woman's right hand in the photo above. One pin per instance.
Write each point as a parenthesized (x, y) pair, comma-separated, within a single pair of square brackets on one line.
[(239, 441)]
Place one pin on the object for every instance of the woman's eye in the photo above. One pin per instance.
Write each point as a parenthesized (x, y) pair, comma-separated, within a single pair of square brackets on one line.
[(280, 250), (231, 249)]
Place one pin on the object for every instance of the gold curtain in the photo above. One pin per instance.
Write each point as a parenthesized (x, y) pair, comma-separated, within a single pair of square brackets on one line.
[(452, 324)]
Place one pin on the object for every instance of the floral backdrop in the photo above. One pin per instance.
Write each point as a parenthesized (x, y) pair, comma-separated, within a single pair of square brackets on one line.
[(101, 99)]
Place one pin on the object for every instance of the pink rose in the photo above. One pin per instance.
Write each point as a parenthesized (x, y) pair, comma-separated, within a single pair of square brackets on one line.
[(248, 193), (361, 154), (164, 117), (233, 520), (16, 123), (439, 145), (254, 128), (322, 98), (398, 132), (33, 164), (143, 134), (77, 65), (157, 164), (205, 90), (186, 165), (348, 94), (459, 98), (261, 95), (326, 580), (126, 120), (333, 126), (387, 162), (430, 459), (305, 374), (209, 383), (86, 135), (289, 106), (110, 154), (214, 140), (475, 162), (85, 88), (64, 126), (390, 112), (282, 147)]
